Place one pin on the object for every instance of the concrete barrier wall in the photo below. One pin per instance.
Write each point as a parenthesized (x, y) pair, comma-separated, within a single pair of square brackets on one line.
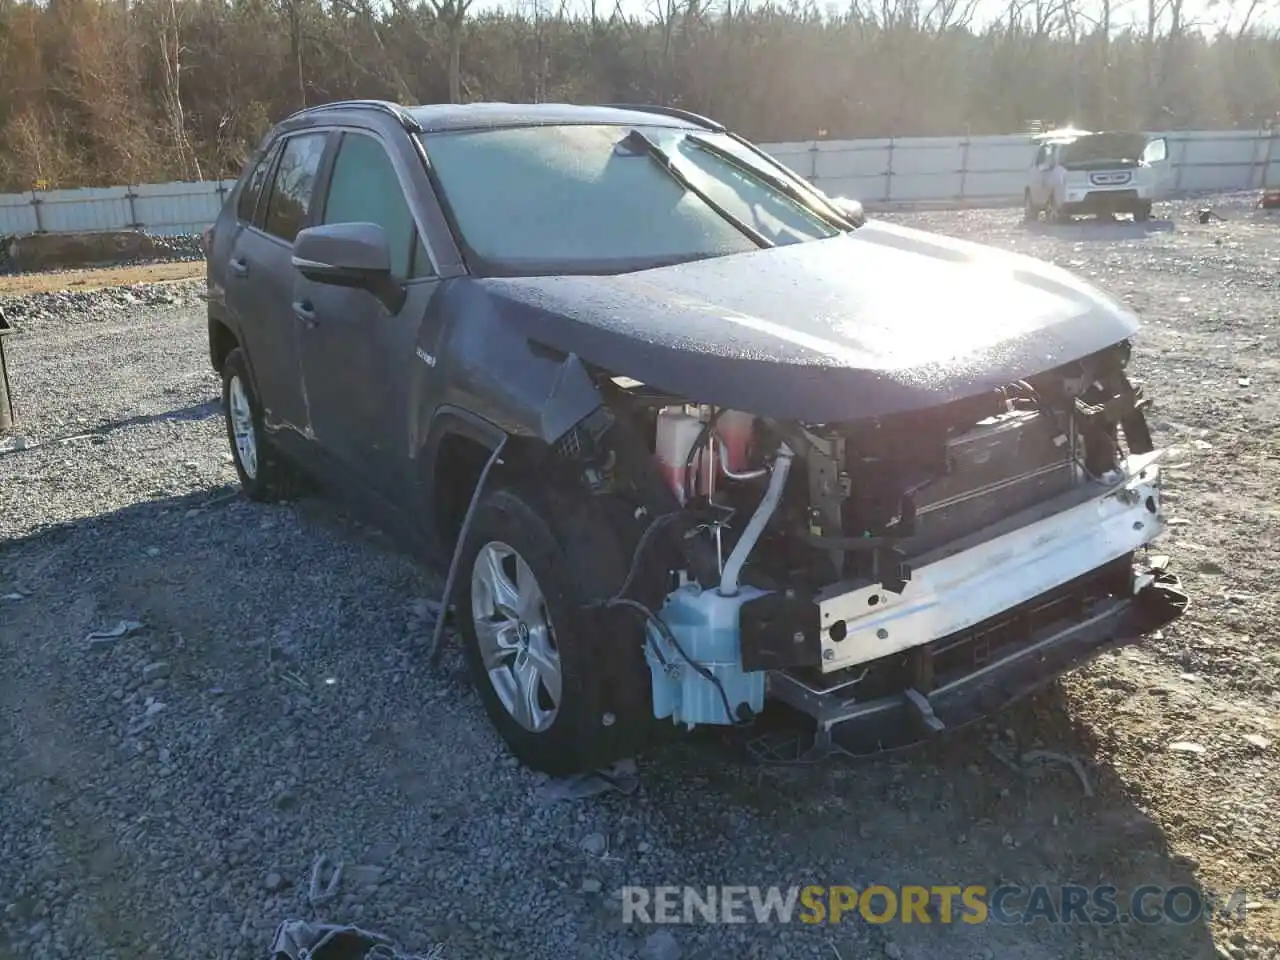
[(886, 172)]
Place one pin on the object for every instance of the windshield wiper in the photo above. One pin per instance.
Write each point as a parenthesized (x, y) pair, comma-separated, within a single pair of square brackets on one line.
[(830, 213), (638, 141)]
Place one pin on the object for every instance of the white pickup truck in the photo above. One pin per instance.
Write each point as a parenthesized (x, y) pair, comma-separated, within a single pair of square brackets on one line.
[(1080, 172)]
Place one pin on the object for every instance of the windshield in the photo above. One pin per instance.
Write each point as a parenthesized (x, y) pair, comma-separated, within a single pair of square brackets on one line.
[(590, 199)]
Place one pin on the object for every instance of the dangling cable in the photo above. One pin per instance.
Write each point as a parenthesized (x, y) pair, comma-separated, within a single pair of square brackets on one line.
[(433, 654)]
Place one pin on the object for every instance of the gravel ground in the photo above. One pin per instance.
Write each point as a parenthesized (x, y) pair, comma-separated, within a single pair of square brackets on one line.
[(165, 794)]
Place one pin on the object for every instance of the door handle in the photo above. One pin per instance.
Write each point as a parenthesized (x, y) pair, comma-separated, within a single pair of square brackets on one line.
[(303, 310), (239, 266)]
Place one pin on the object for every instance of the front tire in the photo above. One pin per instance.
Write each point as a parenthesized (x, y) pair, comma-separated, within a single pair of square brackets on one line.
[(263, 474), (565, 694), (1142, 213)]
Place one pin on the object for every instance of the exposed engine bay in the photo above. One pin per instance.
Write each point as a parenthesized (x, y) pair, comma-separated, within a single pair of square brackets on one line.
[(822, 563)]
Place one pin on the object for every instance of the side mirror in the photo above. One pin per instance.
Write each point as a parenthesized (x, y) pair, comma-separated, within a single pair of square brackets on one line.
[(851, 209), (349, 255)]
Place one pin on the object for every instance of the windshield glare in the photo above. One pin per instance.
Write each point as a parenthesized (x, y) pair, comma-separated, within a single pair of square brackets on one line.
[(576, 198)]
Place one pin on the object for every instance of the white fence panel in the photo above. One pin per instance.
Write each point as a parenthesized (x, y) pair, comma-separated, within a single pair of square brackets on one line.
[(82, 211), (929, 168), (885, 171), (854, 168), (1220, 160), (997, 167), (18, 214), (993, 169), (918, 168), (798, 156), (180, 207)]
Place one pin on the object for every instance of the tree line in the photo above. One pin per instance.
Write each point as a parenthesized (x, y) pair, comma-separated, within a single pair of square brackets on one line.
[(102, 92)]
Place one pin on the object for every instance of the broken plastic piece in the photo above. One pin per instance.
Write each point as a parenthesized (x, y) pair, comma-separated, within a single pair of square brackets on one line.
[(922, 710), (621, 776), (300, 940), (314, 893), (120, 630)]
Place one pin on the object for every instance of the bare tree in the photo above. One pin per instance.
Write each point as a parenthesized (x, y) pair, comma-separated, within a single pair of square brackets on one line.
[(1097, 65), (453, 14), (665, 13), (171, 58), (292, 10), (362, 12), (1251, 9), (101, 93), (946, 15)]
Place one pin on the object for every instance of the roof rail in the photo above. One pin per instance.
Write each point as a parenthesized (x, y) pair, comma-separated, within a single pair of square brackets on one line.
[(673, 112), (401, 115)]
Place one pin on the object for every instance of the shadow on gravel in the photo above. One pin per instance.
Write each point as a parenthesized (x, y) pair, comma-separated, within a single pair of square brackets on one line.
[(193, 412), (975, 808), (238, 596), (1094, 229)]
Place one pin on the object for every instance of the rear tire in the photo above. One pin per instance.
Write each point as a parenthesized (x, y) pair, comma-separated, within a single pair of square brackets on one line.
[(567, 692), (1029, 212), (264, 475)]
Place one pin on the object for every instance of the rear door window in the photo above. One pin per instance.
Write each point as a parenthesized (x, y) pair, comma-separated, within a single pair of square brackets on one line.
[(294, 185), (364, 188), (247, 202)]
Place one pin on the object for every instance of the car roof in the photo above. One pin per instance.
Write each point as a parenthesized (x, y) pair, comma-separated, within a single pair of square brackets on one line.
[(462, 116), (439, 117)]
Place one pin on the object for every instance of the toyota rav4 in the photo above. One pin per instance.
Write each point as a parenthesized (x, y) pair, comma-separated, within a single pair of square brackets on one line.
[(692, 436)]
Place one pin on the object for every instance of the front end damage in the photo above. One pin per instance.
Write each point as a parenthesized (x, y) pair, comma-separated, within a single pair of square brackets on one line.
[(888, 578)]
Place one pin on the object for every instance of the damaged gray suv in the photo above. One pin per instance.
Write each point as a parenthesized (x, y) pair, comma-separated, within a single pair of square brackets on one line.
[(694, 438)]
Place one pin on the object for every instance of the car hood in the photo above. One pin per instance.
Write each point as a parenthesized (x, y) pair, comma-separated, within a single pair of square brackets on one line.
[(882, 320)]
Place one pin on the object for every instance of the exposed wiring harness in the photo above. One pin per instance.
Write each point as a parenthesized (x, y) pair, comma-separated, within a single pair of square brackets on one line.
[(621, 600), (1070, 428), (645, 539), (703, 436)]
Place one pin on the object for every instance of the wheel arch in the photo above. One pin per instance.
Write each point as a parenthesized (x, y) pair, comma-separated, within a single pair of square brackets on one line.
[(223, 338), (451, 459)]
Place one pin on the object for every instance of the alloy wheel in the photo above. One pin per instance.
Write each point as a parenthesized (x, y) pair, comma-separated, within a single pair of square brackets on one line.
[(516, 638), (242, 427)]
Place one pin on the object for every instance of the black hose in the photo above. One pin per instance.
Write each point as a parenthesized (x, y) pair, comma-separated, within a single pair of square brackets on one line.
[(650, 617), (645, 538), (703, 436), (433, 654)]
